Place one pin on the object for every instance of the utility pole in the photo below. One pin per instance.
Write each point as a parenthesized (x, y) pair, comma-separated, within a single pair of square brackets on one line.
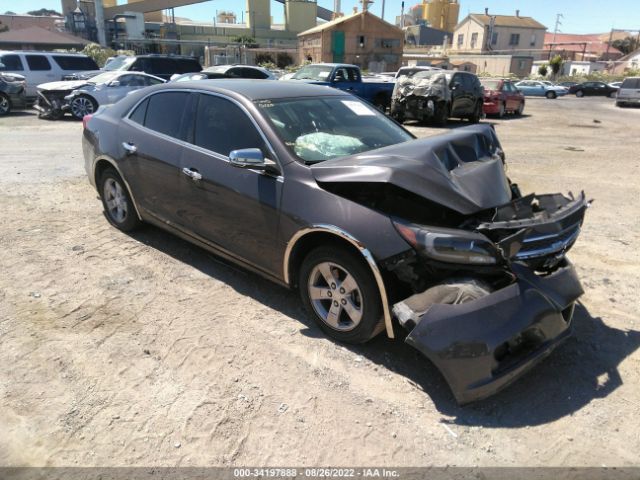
[(555, 31), (402, 16), (558, 24), (382, 14), (609, 42), (102, 38)]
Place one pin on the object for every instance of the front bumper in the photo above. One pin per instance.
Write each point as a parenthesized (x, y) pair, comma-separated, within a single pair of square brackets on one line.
[(415, 107), (483, 345)]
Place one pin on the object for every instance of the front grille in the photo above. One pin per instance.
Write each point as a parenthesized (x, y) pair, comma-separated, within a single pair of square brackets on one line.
[(537, 245)]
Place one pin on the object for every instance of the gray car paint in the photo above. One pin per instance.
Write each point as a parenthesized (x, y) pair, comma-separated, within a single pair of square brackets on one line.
[(452, 170)]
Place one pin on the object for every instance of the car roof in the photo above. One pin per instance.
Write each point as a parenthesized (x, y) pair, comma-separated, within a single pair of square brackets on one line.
[(257, 89), (217, 68), (42, 52)]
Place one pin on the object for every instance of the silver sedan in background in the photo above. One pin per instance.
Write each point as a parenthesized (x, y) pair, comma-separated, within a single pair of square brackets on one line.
[(83, 97)]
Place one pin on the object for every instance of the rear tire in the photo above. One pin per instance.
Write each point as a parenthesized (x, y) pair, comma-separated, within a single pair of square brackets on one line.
[(613, 94), (579, 94), (520, 108), (551, 95), (5, 104), (339, 292), (117, 203), (502, 110)]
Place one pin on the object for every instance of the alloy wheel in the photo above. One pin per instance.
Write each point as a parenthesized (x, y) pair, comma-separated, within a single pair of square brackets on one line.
[(335, 296), (116, 200), (81, 106)]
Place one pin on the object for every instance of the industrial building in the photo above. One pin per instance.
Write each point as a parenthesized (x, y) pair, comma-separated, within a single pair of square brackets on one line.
[(161, 32), (361, 39)]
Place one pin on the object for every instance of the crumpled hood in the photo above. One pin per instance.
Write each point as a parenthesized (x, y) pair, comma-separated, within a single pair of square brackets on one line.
[(63, 85), (462, 170), (435, 85)]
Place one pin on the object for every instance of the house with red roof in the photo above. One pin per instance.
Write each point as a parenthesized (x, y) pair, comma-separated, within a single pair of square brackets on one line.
[(583, 47)]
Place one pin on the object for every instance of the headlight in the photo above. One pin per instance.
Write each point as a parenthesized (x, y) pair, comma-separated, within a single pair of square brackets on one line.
[(407, 89), (449, 245)]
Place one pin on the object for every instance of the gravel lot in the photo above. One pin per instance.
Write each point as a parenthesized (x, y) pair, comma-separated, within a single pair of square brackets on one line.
[(143, 350)]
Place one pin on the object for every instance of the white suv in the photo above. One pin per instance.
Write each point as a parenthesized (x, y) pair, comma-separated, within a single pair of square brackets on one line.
[(629, 93), (43, 67)]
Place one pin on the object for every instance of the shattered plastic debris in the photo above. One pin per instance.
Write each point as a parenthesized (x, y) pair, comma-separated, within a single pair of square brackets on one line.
[(423, 84)]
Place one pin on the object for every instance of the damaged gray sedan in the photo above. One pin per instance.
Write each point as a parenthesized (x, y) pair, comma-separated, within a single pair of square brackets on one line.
[(380, 232)]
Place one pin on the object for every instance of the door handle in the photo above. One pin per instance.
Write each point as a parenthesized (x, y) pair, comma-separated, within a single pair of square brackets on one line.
[(192, 173), (129, 147)]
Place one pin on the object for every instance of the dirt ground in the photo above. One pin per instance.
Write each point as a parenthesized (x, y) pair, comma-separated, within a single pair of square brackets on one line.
[(141, 349)]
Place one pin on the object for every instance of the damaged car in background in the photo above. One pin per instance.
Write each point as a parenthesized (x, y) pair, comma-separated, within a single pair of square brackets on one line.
[(317, 190), (436, 95), (83, 97)]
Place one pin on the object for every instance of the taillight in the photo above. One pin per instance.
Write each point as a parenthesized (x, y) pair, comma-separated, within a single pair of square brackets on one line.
[(85, 120)]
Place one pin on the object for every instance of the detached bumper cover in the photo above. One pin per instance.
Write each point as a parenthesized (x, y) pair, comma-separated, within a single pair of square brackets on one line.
[(483, 345)]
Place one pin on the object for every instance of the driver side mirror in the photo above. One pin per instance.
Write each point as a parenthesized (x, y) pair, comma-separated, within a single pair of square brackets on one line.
[(456, 86), (253, 159), (114, 83)]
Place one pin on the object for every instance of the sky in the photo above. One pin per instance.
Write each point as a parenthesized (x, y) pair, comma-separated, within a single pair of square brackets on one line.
[(580, 16)]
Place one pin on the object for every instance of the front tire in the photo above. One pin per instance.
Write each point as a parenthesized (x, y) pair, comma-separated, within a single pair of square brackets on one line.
[(502, 110), (613, 94), (551, 95), (117, 203), (341, 295), (520, 108), (442, 115), (579, 94), (477, 114), (5, 104), (83, 105)]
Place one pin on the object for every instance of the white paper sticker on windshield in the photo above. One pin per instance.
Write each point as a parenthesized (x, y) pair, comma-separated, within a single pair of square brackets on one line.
[(358, 108), (324, 74)]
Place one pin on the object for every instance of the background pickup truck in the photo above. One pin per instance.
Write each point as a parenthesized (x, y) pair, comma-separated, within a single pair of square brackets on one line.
[(348, 77)]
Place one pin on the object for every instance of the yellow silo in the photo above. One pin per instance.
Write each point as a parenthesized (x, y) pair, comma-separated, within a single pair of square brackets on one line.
[(442, 14)]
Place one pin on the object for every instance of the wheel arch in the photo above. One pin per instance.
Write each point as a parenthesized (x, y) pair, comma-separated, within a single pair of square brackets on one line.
[(304, 240), (103, 163)]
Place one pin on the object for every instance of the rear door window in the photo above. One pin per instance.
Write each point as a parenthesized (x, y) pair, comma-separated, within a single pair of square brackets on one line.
[(38, 62), (10, 63), (163, 66), (253, 73), (165, 112), (186, 65), (75, 64), (140, 112), (222, 126)]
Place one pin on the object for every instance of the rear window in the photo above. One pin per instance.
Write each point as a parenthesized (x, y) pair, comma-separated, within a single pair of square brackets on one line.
[(74, 63), (631, 83), (164, 113), (10, 63), (38, 62)]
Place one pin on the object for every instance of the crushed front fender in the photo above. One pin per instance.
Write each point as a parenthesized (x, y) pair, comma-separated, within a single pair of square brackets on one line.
[(483, 345)]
